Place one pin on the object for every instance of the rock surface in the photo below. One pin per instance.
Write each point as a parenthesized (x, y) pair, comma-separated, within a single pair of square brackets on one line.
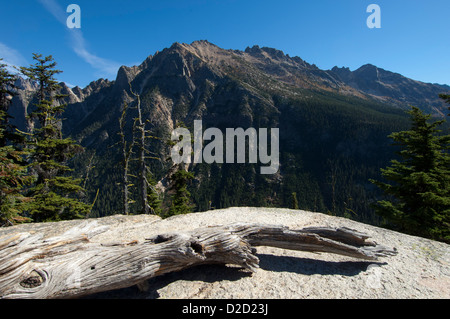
[(421, 269)]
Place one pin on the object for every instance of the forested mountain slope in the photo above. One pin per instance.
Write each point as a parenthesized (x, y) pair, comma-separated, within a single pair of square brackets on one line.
[(333, 125)]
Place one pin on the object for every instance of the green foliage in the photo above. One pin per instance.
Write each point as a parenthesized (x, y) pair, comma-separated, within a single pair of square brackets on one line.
[(446, 98), (13, 178), (8, 133), (419, 188), (50, 203), (55, 191), (13, 170), (181, 202), (153, 197)]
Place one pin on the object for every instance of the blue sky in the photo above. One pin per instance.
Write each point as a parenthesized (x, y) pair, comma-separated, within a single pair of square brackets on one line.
[(414, 38)]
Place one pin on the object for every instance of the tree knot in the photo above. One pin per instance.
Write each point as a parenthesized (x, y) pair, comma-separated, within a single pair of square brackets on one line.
[(34, 279)]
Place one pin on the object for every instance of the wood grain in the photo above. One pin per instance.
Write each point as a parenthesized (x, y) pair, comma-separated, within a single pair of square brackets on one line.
[(70, 266)]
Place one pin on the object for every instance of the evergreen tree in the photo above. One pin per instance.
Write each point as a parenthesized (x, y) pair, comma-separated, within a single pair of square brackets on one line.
[(7, 91), (181, 201), (55, 191), (446, 98), (153, 198), (13, 171), (419, 191)]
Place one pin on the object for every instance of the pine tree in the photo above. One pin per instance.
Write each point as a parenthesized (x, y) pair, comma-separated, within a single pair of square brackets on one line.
[(13, 170), (55, 191), (181, 199), (153, 198), (446, 98), (419, 192), (7, 91)]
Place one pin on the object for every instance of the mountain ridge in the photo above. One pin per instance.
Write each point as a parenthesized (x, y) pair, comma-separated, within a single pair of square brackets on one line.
[(392, 88), (333, 134), (297, 72)]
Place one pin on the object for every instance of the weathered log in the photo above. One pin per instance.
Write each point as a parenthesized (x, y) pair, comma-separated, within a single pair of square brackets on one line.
[(69, 265)]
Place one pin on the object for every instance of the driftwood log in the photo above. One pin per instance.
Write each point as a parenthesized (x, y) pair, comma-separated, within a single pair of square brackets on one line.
[(70, 265)]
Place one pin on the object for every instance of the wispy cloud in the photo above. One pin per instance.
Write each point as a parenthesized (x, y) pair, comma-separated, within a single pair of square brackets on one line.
[(105, 67), (55, 9), (79, 46), (11, 57)]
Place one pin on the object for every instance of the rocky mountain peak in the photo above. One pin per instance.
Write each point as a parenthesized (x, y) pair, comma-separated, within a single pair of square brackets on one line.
[(91, 88), (199, 43), (368, 72), (25, 84), (126, 75), (176, 46), (274, 53), (254, 50), (266, 52)]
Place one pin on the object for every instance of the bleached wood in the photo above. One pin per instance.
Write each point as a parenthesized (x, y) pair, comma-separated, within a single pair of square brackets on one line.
[(69, 265)]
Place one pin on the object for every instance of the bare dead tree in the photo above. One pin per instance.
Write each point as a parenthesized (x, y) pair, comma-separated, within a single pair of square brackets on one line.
[(142, 173), (90, 166), (143, 170), (69, 265), (127, 151)]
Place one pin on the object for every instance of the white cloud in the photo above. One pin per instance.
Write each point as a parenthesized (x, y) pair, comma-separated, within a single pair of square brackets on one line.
[(79, 46), (11, 57), (54, 8), (105, 67)]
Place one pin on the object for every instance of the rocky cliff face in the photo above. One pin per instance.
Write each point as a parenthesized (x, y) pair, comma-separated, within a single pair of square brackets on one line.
[(82, 101)]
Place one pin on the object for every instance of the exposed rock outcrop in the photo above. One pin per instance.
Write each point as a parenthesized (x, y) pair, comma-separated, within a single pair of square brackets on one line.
[(421, 269)]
